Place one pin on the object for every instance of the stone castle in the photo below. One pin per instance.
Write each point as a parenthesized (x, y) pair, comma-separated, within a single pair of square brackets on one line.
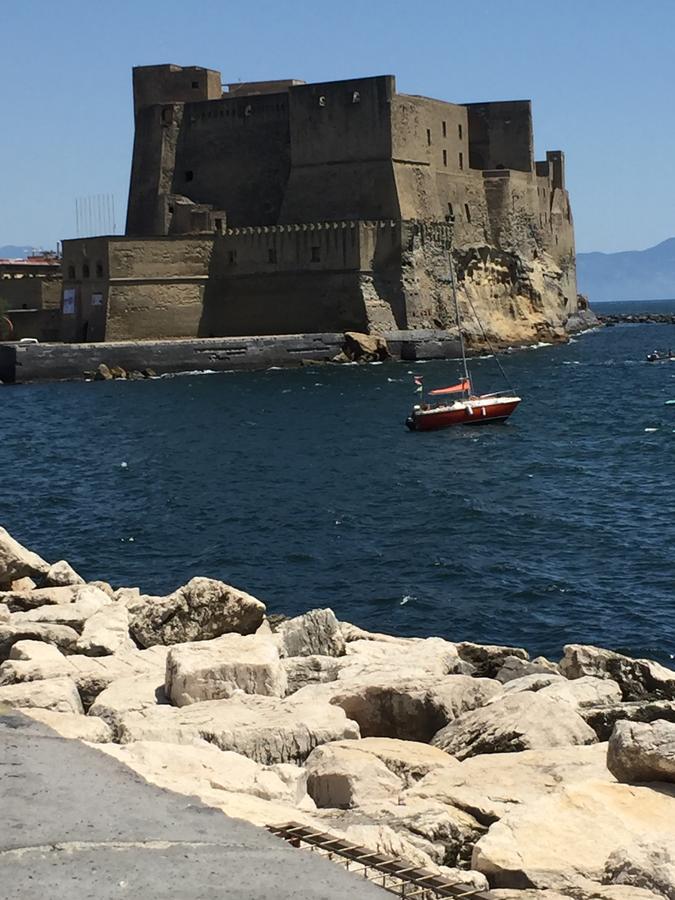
[(283, 207)]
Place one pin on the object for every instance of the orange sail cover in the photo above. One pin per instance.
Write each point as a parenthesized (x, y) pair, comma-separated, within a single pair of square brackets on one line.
[(455, 389)]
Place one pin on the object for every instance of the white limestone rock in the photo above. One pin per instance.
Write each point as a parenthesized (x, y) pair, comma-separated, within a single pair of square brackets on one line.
[(585, 691), (490, 785), (401, 658), (201, 610), (354, 633), (555, 840), (86, 601), (214, 670), (106, 632), (340, 776), (23, 600), (127, 695), (524, 721), (304, 670), (36, 651), (60, 574), (640, 752), (73, 726), (4, 613), (515, 667), (266, 729), (59, 694), (638, 678), (16, 561), (650, 866), (603, 718), (410, 761), (61, 636), (406, 708), (316, 633)]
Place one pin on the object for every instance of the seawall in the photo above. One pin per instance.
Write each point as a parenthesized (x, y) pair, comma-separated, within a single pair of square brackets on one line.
[(22, 363)]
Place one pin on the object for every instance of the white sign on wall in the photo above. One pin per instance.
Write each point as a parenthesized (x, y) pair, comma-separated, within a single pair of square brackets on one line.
[(69, 302), (97, 299)]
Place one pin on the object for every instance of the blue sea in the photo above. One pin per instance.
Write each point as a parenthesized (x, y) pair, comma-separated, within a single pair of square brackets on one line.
[(304, 488)]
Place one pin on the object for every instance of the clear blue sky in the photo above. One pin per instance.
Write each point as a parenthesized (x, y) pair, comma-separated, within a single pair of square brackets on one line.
[(600, 75)]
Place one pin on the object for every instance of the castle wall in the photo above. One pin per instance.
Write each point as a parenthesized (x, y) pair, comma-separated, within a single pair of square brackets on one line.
[(501, 135), (341, 151)]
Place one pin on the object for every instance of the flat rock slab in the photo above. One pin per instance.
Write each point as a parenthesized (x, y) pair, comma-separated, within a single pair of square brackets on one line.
[(135, 839)]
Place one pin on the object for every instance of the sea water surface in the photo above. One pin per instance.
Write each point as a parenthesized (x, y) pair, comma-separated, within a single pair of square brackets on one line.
[(304, 488)]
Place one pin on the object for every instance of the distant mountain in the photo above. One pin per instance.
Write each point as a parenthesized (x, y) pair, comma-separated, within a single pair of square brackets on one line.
[(633, 275), (10, 251)]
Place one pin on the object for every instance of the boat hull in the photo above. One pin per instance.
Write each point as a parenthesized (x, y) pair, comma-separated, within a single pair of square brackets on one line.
[(471, 412)]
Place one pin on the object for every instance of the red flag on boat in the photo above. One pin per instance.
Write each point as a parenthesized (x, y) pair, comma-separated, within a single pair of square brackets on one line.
[(455, 389), (419, 383)]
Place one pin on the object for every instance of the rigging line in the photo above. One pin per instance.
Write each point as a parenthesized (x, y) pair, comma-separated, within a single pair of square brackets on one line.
[(487, 341)]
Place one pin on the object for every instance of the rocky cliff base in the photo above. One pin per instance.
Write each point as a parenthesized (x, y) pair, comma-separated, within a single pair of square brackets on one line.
[(531, 778)]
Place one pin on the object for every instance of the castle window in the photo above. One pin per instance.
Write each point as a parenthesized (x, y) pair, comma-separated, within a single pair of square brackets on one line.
[(468, 213), (461, 160), (445, 130), (167, 115), (218, 225), (189, 175), (195, 84), (71, 271), (451, 212), (445, 157), (171, 209), (316, 254), (322, 100), (99, 270), (232, 257), (459, 131), (429, 137), (356, 97), (272, 255), (85, 270)]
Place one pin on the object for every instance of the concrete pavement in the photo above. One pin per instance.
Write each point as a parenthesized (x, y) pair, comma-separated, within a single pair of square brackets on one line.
[(74, 823)]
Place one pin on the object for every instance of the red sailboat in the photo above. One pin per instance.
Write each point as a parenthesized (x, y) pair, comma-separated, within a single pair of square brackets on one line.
[(469, 408)]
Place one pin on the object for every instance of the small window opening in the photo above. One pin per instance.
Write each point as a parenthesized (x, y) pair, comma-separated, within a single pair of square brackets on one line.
[(195, 84), (445, 130), (356, 97), (322, 100), (85, 270), (167, 115), (99, 270), (232, 257), (461, 160), (451, 212), (445, 157), (459, 131), (272, 255), (468, 213), (316, 254), (170, 209), (189, 175), (218, 225), (429, 137), (71, 271)]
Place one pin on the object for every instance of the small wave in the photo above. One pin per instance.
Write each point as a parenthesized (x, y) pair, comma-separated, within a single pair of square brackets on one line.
[(192, 372)]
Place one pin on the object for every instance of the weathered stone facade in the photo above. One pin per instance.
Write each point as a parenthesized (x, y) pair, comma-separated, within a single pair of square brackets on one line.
[(284, 207)]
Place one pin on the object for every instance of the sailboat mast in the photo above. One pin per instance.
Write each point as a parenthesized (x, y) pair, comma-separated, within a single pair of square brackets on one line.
[(457, 317)]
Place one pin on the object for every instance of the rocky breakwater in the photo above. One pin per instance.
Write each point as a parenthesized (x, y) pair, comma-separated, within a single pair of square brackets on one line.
[(526, 777)]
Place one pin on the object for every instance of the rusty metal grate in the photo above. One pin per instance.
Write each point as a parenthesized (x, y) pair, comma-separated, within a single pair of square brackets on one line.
[(394, 875)]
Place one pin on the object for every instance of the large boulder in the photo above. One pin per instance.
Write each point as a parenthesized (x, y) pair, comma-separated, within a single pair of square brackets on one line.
[(303, 670), (552, 841), (266, 729), (36, 651), (214, 670), (106, 632), (59, 694), (650, 866), (490, 785), (72, 725), (359, 347), (91, 674), (20, 601), (340, 776), (410, 761), (638, 678), (516, 667), (87, 600), (604, 717), (585, 691), (131, 694), (488, 659), (199, 768), (201, 610), (62, 573), (639, 752), (16, 561), (412, 709), (61, 636), (316, 633), (401, 658), (524, 721)]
